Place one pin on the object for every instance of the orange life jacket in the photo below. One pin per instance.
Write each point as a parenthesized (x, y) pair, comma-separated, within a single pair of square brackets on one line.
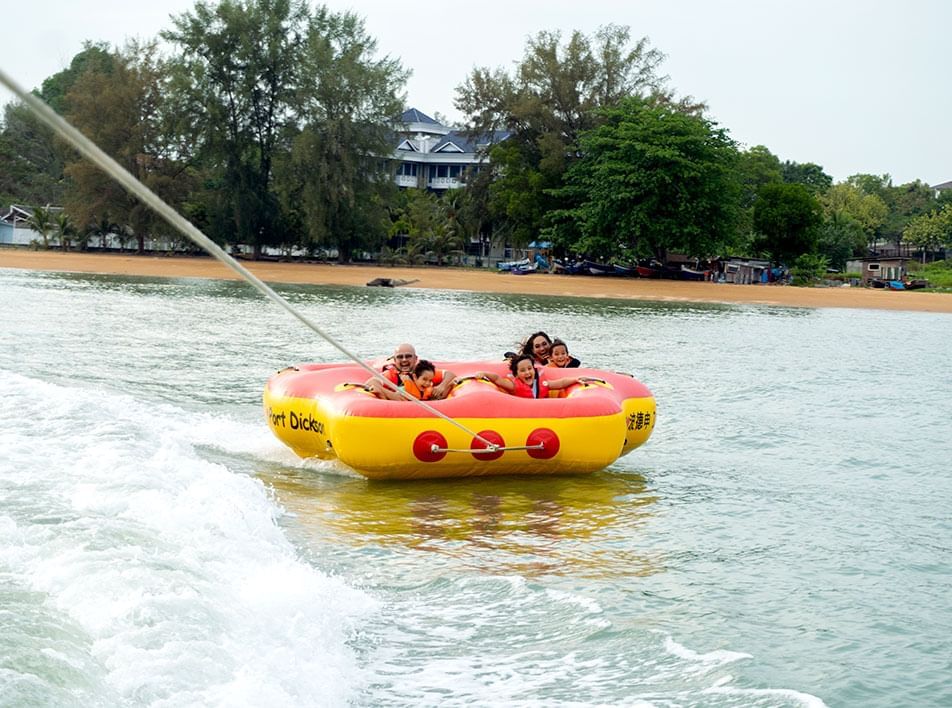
[(410, 386)]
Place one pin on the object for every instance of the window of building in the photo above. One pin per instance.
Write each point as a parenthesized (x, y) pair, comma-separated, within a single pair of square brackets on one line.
[(455, 171)]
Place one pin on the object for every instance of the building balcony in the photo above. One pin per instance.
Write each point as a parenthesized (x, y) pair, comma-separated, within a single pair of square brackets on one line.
[(445, 183), (409, 181)]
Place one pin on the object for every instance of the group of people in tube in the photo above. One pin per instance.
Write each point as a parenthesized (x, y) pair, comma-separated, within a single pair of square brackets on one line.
[(422, 380)]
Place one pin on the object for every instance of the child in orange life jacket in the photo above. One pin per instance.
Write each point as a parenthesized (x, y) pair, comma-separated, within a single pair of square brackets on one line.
[(419, 384), (559, 356), (525, 383)]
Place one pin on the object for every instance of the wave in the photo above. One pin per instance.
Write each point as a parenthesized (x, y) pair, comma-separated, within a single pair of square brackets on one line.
[(141, 572)]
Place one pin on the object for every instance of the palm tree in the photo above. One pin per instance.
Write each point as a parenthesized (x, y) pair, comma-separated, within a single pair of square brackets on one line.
[(103, 229), (445, 242), (42, 222), (65, 229)]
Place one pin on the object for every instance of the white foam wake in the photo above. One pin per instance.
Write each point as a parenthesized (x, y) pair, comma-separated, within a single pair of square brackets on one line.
[(176, 581)]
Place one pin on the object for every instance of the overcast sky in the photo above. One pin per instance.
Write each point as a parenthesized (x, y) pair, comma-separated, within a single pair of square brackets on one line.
[(853, 85)]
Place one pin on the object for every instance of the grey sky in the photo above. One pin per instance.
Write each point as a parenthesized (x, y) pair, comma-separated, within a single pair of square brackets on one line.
[(853, 85)]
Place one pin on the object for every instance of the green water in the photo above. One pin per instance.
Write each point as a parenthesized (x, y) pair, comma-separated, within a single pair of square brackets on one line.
[(782, 539)]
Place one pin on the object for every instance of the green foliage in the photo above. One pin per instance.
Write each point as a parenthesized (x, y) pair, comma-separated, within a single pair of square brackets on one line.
[(44, 223), (939, 274), (650, 179), (786, 217), (868, 210), (330, 182), (930, 232), (808, 174), (755, 168), (122, 109), (549, 101), (95, 56), (32, 160), (809, 268), (840, 237), (432, 226), (236, 75), (65, 229)]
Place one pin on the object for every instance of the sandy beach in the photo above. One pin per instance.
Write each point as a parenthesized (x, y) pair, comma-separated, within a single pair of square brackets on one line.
[(481, 281)]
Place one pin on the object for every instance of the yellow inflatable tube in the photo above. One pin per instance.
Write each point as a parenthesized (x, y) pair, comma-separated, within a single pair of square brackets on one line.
[(323, 411)]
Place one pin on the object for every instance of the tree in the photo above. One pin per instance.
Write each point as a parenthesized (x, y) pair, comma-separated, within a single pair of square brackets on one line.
[(552, 97), (840, 237), (42, 221), (333, 180), (121, 108), (33, 161), (930, 232), (755, 168), (236, 76), (650, 179), (845, 202), (786, 217), (809, 174), (64, 229)]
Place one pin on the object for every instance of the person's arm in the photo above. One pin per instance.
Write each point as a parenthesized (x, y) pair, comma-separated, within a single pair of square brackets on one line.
[(556, 384), (383, 390), (500, 381), (443, 388)]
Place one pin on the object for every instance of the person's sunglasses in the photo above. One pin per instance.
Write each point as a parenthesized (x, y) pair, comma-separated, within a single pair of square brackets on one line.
[(403, 356)]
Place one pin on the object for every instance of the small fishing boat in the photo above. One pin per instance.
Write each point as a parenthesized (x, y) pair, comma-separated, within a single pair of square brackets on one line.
[(693, 274), (510, 265), (594, 268), (324, 411), (525, 269)]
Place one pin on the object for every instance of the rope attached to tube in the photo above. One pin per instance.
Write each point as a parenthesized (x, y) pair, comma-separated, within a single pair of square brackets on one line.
[(94, 154)]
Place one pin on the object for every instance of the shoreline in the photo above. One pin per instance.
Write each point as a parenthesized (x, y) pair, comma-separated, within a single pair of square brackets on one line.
[(480, 280)]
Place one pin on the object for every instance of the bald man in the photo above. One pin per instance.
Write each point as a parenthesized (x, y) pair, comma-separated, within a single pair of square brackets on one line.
[(404, 360)]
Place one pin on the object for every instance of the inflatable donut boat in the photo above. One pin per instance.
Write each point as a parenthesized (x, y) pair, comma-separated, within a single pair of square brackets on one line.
[(323, 410)]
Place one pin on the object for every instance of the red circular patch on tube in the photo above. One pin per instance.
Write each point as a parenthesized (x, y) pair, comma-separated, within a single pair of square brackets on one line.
[(423, 446), (493, 437), (548, 439)]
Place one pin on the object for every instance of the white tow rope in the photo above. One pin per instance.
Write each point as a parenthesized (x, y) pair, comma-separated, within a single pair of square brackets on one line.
[(94, 154)]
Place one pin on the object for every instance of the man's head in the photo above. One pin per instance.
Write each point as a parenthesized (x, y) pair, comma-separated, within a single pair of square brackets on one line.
[(405, 358)]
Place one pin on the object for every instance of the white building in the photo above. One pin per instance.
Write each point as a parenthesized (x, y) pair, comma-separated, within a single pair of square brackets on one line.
[(15, 226), (430, 155)]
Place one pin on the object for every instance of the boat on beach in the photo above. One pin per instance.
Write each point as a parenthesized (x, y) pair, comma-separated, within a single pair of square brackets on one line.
[(506, 266), (324, 411)]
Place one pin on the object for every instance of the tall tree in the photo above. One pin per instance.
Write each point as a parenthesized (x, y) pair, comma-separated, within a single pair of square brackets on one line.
[(786, 217), (239, 71), (545, 105), (846, 201), (121, 109), (650, 179), (33, 160), (333, 181)]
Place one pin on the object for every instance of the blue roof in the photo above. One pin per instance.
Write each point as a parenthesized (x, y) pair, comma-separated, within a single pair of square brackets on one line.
[(412, 115)]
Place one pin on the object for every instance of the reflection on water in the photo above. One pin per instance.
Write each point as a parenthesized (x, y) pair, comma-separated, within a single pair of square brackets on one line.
[(580, 525)]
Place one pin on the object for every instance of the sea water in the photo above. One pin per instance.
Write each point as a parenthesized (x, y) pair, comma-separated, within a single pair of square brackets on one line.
[(783, 539)]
